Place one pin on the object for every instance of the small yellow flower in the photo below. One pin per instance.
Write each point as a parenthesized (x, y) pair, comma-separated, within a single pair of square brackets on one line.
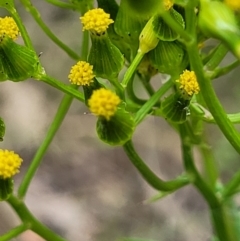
[(103, 103), (96, 20), (233, 4), (81, 73), (188, 83), (9, 27), (9, 163), (168, 4)]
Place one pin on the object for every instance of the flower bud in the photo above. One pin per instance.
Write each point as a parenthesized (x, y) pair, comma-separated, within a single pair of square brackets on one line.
[(148, 39)]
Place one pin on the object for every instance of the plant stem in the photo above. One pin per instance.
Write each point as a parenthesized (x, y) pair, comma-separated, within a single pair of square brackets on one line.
[(207, 90), (219, 214), (152, 101), (14, 232), (28, 219), (63, 87), (61, 4), (149, 176), (58, 119), (36, 15), (21, 26), (231, 186), (216, 58), (132, 68)]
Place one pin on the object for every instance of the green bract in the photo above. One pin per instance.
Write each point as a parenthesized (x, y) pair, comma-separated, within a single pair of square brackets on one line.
[(169, 57), (6, 188), (17, 62), (106, 58), (88, 89), (175, 109), (2, 129), (117, 130), (163, 31)]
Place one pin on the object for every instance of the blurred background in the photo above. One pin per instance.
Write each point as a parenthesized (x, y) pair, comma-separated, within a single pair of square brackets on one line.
[(84, 189)]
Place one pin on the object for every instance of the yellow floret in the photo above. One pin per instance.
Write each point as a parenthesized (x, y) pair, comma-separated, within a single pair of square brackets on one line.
[(103, 103), (188, 83), (96, 20), (9, 27), (81, 73), (168, 4), (9, 163), (233, 4)]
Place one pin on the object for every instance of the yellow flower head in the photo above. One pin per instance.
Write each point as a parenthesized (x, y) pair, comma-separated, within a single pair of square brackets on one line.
[(9, 27), (233, 4), (81, 73), (9, 163), (103, 103), (168, 4), (96, 20), (188, 83)]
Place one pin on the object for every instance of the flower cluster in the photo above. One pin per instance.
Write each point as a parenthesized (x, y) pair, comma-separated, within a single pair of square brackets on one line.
[(9, 163), (104, 102), (233, 4), (9, 27), (81, 73), (96, 21), (168, 4), (188, 83)]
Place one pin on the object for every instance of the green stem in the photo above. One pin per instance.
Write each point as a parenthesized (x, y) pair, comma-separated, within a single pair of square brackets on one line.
[(152, 101), (219, 214), (146, 83), (14, 232), (132, 68), (224, 70), (59, 117), (148, 175), (118, 87), (210, 168), (231, 186), (21, 26), (131, 94), (36, 15), (192, 171), (216, 58), (35, 225), (208, 92), (63, 87), (61, 4)]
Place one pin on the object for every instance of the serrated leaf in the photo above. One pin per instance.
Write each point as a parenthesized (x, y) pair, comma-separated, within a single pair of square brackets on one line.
[(18, 62), (117, 130)]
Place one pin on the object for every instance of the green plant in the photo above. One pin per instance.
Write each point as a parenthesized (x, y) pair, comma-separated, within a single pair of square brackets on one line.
[(164, 37)]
